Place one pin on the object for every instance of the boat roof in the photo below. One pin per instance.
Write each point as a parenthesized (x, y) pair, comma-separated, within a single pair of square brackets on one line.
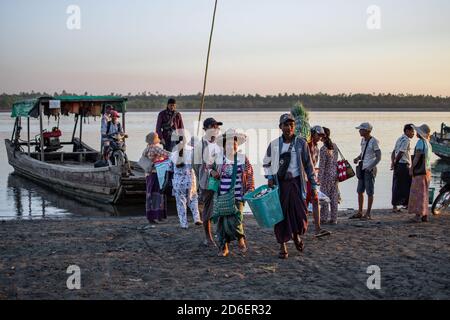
[(30, 107)]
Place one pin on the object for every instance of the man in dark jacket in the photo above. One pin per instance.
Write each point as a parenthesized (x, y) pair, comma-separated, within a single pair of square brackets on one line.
[(169, 121)]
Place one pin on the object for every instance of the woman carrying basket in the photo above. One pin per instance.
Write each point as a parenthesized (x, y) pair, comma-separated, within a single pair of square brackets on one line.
[(236, 179), (287, 163)]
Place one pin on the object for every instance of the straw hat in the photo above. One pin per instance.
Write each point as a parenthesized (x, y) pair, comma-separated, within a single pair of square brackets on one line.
[(231, 134), (424, 131)]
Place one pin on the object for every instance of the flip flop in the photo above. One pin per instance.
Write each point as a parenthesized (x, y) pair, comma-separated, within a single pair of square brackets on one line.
[(322, 233), (366, 218), (283, 255), (356, 216), (299, 245)]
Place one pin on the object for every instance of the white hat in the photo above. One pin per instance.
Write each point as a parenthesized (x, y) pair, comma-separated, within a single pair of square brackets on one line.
[(365, 126), (423, 131)]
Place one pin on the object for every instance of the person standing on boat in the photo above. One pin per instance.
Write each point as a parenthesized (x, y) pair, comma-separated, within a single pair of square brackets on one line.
[(206, 154), (156, 201), (286, 163), (421, 175), (169, 120), (184, 183), (368, 160), (400, 164), (317, 133), (106, 118), (235, 167)]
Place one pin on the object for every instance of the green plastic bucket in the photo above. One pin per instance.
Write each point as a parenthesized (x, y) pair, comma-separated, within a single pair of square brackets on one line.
[(431, 195), (266, 209)]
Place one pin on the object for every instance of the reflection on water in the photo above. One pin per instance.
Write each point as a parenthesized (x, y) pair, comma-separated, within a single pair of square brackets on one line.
[(25, 199), (34, 201)]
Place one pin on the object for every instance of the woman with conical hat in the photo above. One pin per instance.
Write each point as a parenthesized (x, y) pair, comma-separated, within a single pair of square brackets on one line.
[(230, 227)]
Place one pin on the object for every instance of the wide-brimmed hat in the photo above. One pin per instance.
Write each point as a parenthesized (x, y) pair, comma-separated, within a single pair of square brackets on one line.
[(424, 130), (231, 134)]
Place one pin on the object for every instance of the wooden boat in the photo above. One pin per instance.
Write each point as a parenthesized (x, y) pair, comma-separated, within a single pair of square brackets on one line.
[(71, 173), (440, 141)]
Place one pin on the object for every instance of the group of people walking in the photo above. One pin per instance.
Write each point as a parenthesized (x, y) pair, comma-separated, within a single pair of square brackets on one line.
[(211, 177)]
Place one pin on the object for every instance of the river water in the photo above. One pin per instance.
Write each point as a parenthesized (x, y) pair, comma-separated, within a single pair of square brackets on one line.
[(23, 199)]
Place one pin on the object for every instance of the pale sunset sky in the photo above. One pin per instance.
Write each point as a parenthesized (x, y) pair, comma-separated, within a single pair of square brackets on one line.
[(259, 46)]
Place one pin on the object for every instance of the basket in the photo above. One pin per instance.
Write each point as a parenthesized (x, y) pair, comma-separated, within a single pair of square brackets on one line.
[(266, 209)]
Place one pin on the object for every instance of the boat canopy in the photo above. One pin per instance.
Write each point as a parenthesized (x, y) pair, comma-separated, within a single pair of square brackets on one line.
[(30, 108)]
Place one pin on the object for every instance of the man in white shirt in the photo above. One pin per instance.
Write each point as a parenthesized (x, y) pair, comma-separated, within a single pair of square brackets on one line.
[(370, 157), (206, 153), (400, 164)]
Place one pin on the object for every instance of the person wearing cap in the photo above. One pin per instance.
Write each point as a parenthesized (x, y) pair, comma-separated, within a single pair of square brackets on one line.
[(317, 134), (184, 182), (112, 129), (421, 175), (289, 175), (156, 201), (230, 227), (368, 159), (206, 152), (106, 118), (400, 164), (169, 120)]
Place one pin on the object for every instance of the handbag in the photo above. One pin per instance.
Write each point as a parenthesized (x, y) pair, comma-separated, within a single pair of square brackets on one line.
[(420, 168), (344, 169), (285, 160), (213, 183), (359, 169), (225, 204), (145, 163)]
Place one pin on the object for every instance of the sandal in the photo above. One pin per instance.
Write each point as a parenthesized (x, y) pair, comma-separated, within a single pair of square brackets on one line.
[(366, 218), (299, 245), (283, 252), (358, 215), (322, 233)]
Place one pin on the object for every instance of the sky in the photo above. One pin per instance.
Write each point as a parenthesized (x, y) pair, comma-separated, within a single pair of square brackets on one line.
[(259, 46)]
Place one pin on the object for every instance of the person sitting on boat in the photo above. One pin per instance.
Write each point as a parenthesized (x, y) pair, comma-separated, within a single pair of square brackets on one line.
[(169, 121), (115, 139)]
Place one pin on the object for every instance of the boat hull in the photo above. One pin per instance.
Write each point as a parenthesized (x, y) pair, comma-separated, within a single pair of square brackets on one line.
[(103, 185)]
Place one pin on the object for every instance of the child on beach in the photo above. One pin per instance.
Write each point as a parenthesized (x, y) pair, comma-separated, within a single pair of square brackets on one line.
[(184, 183)]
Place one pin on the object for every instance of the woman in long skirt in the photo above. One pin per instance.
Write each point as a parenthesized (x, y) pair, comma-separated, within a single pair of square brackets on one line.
[(291, 179), (156, 202), (328, 178), (230, 227), (421, 173)]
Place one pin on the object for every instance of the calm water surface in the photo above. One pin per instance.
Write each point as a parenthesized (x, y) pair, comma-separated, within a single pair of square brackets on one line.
[(23, 199)]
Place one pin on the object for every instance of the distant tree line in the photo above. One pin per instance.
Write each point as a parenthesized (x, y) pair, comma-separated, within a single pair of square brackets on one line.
[(316, 102)]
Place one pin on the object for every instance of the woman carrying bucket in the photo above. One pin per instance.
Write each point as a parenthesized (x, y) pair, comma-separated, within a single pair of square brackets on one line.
[(236, 179), (286, 162)]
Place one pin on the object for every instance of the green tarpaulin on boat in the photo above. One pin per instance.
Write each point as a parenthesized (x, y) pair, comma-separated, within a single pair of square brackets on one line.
[(23, 108)]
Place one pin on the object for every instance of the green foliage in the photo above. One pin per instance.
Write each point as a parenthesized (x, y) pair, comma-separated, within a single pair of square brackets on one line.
[(147, 101)]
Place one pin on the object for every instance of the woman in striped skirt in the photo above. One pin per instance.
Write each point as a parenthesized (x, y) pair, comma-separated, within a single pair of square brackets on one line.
[(230, 228)]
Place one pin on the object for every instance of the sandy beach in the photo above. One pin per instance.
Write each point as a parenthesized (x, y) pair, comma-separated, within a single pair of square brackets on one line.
[(121, 258)]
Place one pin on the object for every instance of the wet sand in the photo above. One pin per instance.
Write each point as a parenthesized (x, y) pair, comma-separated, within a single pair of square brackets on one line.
[(121, 259)]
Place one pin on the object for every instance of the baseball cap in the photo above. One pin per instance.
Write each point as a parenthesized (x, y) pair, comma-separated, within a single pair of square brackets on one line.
[(318, 129), (365, 126), (286, 117), (211, 122)]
